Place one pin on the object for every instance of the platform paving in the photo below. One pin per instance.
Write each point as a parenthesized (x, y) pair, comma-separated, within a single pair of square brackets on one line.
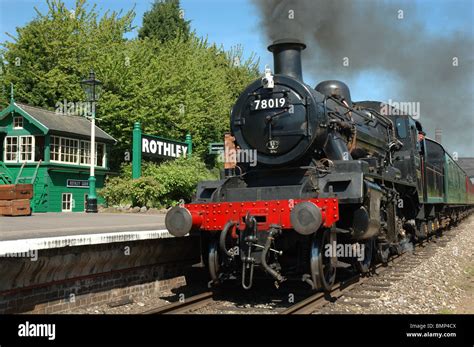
[(53, 230), (66, 224)]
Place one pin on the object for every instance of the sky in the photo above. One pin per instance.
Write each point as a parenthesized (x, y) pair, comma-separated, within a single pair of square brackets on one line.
[(236, 22), (227, 22)]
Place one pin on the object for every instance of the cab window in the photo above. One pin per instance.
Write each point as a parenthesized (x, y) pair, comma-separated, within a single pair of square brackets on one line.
[(401, 128)]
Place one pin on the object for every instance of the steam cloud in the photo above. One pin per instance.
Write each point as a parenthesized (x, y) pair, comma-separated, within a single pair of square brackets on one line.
[(414, 64)]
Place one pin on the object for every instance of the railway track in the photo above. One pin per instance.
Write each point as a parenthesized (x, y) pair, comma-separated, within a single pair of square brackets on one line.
[(212, 302), (315, 302), (191, 303)]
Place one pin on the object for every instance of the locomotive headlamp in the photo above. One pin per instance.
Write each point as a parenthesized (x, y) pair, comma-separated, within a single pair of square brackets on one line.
[(306, 218), (267, 80)]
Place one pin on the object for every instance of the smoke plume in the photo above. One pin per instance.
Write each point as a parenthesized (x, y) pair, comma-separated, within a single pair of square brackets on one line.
[(347, 38)]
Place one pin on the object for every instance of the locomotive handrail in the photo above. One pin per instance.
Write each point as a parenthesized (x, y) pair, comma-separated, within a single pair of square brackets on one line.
[(308, 130), (325, 105), (352, 109)]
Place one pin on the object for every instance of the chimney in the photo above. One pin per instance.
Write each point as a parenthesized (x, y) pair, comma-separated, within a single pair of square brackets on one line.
[(438, 135), (287, 57)]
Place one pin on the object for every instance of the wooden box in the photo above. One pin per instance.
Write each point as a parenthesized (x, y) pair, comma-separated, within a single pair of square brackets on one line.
[(19, 207), (16, 191)]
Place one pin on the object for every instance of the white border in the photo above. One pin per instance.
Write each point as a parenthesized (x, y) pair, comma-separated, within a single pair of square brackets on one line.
[(26, 245)]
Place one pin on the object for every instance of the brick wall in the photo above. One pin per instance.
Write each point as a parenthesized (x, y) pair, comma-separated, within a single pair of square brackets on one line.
[(72, 294), (61, 279)]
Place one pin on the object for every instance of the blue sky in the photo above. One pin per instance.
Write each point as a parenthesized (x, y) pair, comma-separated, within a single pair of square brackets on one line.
[(232, 22), (228, 22)]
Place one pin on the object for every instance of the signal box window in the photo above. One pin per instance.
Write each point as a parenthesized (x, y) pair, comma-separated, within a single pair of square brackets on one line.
[(18, 122), (27, 145), (11, 148), (100, 154)]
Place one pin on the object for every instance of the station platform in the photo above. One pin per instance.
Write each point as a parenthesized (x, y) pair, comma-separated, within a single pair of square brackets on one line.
[(47, 258), (55, 230)]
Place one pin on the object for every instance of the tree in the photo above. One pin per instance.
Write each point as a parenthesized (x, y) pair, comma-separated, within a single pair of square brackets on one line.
[(51, 54), (164, 22), (173, 87)]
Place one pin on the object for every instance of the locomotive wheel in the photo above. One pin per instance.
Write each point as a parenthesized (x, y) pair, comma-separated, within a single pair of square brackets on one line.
[(363, 265), (323, 269), (383, 253), (397, 249), (213, 260), (422, 231)]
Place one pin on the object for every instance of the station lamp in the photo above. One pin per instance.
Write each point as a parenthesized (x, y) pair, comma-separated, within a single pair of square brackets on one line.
[(92, 88)]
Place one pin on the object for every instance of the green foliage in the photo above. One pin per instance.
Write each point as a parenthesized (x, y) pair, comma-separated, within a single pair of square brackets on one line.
[(144, 191), (164, 22), (52, 53), (161, 185), (172, 87)]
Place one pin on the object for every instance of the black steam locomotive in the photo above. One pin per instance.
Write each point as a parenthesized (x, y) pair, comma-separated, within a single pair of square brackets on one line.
[(331, 174)]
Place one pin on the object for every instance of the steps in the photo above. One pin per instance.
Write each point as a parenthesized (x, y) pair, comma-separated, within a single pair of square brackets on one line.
[(16, 195), (6, 177), (29, 179)]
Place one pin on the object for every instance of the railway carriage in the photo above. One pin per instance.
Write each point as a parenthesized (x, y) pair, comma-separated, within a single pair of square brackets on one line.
[(329, 172)]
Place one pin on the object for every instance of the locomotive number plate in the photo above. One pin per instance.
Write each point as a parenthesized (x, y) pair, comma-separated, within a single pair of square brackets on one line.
[(266, 104)]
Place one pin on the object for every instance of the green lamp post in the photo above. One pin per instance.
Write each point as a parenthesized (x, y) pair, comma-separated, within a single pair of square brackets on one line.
[(91, 87)]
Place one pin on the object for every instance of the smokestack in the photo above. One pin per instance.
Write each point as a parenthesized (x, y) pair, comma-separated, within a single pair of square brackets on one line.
[(287, 57), (438, 135)]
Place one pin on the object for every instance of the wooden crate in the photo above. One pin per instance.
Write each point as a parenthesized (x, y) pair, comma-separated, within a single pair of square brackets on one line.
[(20, 207), (16, 191)]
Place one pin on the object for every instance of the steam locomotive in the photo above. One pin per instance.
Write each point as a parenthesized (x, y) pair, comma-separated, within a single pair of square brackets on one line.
[(330, 172)]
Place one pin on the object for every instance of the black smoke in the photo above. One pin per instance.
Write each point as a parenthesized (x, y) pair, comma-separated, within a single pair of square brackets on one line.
[(415, 63)]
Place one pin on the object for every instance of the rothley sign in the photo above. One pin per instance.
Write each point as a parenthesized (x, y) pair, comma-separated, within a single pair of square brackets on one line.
[(156, 147)]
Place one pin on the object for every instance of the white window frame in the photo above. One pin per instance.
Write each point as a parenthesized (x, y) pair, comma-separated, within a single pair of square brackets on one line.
[(104, 157), (87, 153), (6, 151), (20, 145), (20, 120), (69, 143), (63, 201), (60, 150), (79, 153), (51, 153)]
